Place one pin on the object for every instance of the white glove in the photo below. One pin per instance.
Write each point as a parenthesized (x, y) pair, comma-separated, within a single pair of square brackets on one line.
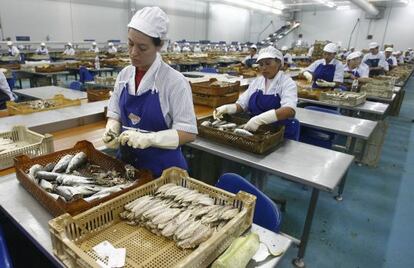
[(110, 136), (261, 119), (225, 109), (323, 83), (165, 139), (308, 76)]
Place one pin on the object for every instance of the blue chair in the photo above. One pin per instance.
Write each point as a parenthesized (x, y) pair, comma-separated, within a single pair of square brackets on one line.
[(5, 260), (209, 70), (12, 81), (316, 137), (85, 75), (292, 129), (76, 85), (266, 213)]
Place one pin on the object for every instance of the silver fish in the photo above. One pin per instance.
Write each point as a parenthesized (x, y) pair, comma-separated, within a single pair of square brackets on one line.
[(218, 123), (242, 132), (229, 214), (166, 216), (72, 180), (49, 167), (33, 170), (67, 192), (206, 124), (77, 161), (137, 201), (200, 235), (46, 185), (63, 163), (45, 175), (228, 126)]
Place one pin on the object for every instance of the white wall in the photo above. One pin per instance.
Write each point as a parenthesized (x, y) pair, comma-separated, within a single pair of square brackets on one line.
[(337, 26), (259, 22)]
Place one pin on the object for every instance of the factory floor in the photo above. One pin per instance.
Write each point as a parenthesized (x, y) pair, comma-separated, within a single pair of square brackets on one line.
[(372, 226)]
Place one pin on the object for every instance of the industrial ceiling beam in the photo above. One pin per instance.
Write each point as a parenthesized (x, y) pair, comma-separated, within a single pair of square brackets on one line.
[(367, 6)]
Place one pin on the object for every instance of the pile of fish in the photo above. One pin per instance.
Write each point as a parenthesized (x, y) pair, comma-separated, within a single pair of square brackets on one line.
[(184, 215), (41, 104), (67, 178), (227, 126)]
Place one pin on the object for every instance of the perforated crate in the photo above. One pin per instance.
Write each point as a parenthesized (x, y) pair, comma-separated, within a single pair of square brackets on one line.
[(74, 237)]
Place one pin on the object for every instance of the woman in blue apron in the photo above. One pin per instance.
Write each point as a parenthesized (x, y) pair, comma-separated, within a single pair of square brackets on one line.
[(150, 113), (375, 60), (326, 72), (355, 67), (252, 58), (270, 98)]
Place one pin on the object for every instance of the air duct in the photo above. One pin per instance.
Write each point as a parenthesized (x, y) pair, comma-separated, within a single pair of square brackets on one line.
[(367, 6)]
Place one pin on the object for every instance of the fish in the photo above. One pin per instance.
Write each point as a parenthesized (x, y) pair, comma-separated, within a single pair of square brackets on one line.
[(49, 167), (162, 189), (67, 192), (33, 170), (218, 123), (189, 231), (200, 235), (229, 214), (170, 228), (45, 175), (47, 186), (167, 215), (137, 201), (243, 132), (65, 179), (129, 172), (228, 126), (63, 163), (206, 124), (77, 161)]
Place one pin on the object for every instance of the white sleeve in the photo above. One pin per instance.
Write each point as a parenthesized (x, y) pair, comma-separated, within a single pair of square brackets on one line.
[(363, 71), (383, 63), (394, 61), (4, 86), (244, 98), (289, 95), (182, 107), (113, 106), (289, 59), (339, 73), (311, 68)]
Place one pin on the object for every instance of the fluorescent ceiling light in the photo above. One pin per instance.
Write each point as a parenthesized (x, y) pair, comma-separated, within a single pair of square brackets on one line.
[(266, 6), (327, 3), (343, 7), (405, 1)]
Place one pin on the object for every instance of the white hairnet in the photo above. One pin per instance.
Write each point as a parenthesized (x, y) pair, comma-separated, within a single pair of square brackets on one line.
[(331, 48), (373, 45), (354, 55), (9, 43), (389, 49), (152, 21), (270, 53)]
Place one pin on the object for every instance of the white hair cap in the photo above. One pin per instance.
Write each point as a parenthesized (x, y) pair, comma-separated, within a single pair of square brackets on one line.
[(331, 48), (152, 21), (270, 53)]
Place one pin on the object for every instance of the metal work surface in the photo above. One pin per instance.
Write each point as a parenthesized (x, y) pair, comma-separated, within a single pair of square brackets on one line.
[(53, 120), (344, 125), (48, 92), (300, 162), (367, 107), (383, 99), (33, 219)]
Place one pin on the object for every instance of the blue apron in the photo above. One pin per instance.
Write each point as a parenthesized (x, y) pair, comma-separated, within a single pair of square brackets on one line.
[(260, 103), (325, 72), (374, 63), (250, 62), (144, 112), (389, 60)]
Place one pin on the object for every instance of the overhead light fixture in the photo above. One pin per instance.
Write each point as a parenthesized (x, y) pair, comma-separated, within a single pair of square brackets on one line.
[(327, 3), (343, 7), (268, 6), (405, 1)]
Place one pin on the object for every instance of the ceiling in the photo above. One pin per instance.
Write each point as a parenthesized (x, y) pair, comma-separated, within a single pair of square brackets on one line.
[(310, 5)]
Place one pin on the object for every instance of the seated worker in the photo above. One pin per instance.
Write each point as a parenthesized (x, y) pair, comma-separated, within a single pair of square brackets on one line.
[(69, 51), (249, 60), (286, 56), (42, 50), (389, 58), (94, 48), (5, 92), (270, 98), (12, 49), (355, 67), (326, 72), (375, 60), (111, 48), (176, 47), (399, 56)]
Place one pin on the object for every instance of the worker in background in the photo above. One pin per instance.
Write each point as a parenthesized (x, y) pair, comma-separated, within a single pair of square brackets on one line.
[(151, 112), (375, 60), (389, 58), (42, 50), (251, 59), (410, 54), (238, 47), (270, 98), (286, 56), (12, 49), (69, 51), (111, 48), (224, 48), (232, 48), (400, 58), (351, 50), (5, 92), (94, 48), (176, 48), (355, 67), (245, 48), (310, 51), (300, 42), (186, 47), (197, 48), (207, 48), (326, 72)]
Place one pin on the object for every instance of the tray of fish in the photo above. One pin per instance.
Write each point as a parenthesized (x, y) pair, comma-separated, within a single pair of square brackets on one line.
[(76, 179), (380, 86), (343, 98), (215, 88), (50, 68), (230, 131), (21, 141), (173, 221), (27, 107)]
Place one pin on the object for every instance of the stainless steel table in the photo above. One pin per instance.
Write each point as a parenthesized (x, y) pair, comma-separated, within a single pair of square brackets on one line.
[(385, 100), (319, 168), (48, 92), (32, 219), (52, 76), (59, 119)]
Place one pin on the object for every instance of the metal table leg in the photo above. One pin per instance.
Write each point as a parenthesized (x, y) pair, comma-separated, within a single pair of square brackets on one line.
[(299, 262), (341, 188)]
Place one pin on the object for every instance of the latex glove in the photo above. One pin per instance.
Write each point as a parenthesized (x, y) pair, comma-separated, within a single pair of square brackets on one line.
[(110, 136), (308, 76), (323, 83), (225, 109), (261, 119), (165, 139)]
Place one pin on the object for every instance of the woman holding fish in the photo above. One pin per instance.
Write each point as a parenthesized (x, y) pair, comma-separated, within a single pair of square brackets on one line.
[(270, 98), (150, 113)]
